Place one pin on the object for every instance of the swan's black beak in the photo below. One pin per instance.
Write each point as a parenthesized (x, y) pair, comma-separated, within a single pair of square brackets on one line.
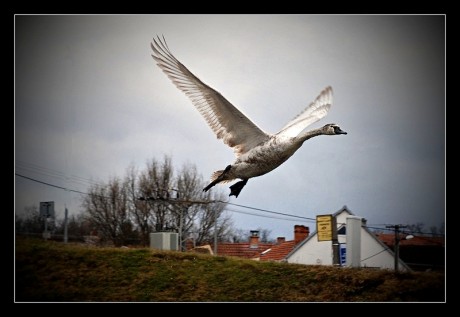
[(337, 130)]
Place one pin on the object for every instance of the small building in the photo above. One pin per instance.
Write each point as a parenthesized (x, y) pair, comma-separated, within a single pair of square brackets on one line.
[(421, 253), (374, 253)]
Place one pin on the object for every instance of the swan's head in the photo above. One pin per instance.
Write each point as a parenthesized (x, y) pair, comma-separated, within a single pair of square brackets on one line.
[(332, 129)]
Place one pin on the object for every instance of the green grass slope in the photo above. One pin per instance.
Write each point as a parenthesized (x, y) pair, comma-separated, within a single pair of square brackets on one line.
[(56, 272)]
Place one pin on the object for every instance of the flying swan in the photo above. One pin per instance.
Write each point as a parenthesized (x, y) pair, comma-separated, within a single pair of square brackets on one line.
[(256, 151)]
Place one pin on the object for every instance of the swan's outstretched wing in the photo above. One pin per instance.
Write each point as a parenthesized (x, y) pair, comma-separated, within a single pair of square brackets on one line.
[(227, 122), (315, 111)]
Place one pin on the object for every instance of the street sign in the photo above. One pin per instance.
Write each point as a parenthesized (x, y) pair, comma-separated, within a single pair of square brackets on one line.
[(325, 227), (343, 254), (47, 209)]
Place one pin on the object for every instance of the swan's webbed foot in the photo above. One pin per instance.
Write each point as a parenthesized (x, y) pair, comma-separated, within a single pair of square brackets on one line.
[(236, 188), (217, 180)]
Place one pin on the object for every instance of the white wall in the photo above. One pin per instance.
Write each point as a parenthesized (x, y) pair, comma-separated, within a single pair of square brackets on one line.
[(370, 249), (313, 252), (373, 253)]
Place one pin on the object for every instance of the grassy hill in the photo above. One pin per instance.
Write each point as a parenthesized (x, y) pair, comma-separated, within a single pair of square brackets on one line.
[(54, 272)]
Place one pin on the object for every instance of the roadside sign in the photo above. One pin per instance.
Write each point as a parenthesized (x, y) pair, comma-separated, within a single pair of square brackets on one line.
[(343, 254), (47, 209), (325, 227)]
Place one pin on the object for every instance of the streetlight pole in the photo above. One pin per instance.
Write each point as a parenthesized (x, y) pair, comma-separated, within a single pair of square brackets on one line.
[(396, 248), (66, 237)]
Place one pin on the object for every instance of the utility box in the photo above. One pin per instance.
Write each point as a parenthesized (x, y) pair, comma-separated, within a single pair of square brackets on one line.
[(164, 241)]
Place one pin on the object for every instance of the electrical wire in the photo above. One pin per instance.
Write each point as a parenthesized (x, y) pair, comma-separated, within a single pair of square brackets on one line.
[(49, 172), (263, 216), (407, 231), (375, 254), (242, 206), (229, 203), (232, 210), (272, 212)]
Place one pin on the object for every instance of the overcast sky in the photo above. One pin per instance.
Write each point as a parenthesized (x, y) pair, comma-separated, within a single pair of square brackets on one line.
[(90, 101)]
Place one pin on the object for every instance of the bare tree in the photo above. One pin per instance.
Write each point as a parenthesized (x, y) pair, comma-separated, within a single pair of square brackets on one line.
[(179, 203), (415, 228), (264, 235), (29, 221), (238, 235), (107, 208), (154, 185), (154, 199), (442, 228), (140, 211), (438, 231), (203, 214), (78, 226), (434, 230)]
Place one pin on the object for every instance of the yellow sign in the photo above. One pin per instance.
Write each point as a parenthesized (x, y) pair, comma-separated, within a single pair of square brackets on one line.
[(325, 227)]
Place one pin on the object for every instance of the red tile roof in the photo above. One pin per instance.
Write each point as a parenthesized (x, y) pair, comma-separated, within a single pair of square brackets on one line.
[(242, 250), (389, 240), (278, 252)]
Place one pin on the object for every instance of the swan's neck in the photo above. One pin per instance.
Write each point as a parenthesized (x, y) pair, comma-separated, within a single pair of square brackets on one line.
[(302, 137)]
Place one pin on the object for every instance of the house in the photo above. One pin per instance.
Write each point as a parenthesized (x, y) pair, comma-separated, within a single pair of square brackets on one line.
[(256, 250), (374, 253), (248, 250), (375, 249), (282, 247), (421, 253)]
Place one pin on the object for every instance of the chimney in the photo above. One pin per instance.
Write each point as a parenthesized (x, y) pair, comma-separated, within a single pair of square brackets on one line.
[(254, 239), (280, 240), (189, 244), (300, 233)]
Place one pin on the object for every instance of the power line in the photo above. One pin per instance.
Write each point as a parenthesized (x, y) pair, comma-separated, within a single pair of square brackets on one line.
[(52, 185), (407, 231), (272, 212), (219, 201), (258, 215), (375, 254), (49, 172)]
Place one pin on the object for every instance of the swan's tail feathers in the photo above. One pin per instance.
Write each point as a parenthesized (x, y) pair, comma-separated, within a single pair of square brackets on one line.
[(218, 177), (215, 179)]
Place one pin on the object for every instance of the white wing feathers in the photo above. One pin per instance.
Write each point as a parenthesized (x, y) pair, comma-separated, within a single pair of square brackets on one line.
[(315, 111), (227, 122)]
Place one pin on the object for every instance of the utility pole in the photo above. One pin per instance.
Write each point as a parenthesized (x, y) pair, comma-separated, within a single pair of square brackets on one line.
[(397, 239), (65, 225), (181, 227), (335, 243), (187, 204), (45, 235), (215, 232)]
